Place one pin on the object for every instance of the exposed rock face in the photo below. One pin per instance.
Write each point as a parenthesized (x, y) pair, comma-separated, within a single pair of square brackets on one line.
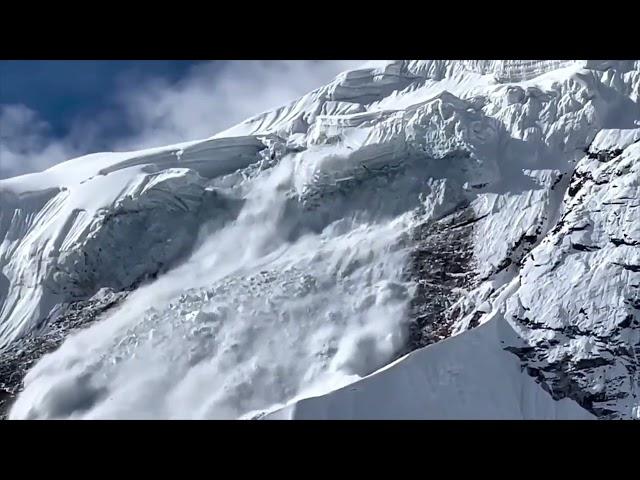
[(585, 344), (442, 267)]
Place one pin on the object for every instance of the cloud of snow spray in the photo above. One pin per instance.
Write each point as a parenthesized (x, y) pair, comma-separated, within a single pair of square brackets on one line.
[(276, 311)]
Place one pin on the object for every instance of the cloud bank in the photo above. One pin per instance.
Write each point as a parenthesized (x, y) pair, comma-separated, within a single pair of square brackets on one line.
[(156, 112)]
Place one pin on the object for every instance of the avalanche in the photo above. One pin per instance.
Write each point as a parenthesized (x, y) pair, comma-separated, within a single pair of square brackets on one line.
[(416, 239)]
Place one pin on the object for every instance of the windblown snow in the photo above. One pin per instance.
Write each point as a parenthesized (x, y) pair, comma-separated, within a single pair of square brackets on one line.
[(416, 239)]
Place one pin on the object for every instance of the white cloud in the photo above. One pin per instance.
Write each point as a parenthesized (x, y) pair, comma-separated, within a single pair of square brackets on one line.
[(207, 100), (195, 108), (25, 144)]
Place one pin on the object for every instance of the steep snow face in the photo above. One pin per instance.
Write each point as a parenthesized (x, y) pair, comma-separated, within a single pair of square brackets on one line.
[(309, 246), (447, 381)]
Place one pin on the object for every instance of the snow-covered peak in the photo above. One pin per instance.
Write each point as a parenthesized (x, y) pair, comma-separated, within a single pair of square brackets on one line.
[(308, 247)]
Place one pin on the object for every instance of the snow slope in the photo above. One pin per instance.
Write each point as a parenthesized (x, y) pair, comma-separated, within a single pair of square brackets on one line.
[(465, 377), (306, 248)]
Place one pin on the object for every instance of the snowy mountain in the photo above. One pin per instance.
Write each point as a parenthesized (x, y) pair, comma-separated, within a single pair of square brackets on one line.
[(416, 239)]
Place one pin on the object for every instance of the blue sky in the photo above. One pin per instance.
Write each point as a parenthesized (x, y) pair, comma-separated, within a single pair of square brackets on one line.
[(62, 90), (54, 110)]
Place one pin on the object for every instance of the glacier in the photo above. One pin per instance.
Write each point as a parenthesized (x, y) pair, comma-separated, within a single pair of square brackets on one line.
[(422, 239)]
